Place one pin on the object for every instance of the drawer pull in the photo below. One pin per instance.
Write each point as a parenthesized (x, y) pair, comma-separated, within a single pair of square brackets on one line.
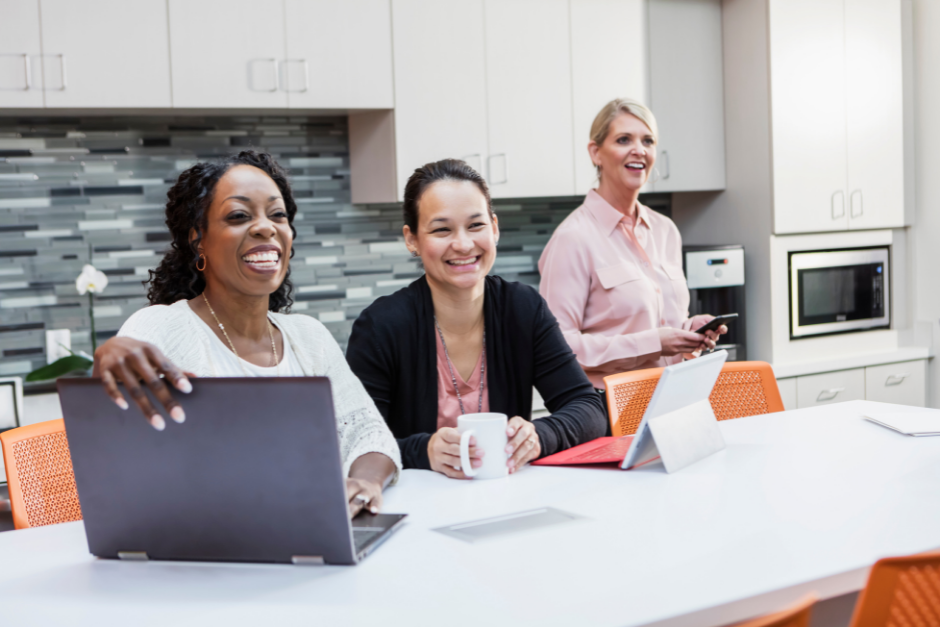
[(896, 379), (828, 395)]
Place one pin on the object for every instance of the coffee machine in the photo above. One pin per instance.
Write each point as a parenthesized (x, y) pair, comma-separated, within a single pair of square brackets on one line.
[(715, 275)]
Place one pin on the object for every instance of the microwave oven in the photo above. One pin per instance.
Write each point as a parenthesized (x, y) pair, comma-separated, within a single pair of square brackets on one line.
[(839, 291)]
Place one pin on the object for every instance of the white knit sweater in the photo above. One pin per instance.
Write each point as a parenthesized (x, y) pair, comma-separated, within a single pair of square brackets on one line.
[(174, 329)]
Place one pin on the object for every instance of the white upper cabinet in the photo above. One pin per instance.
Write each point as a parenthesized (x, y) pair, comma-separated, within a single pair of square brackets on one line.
[(808, 90), (339, 54), (875, 111), (608, 60), (105, 53), (838, 117), (528, 86), (687, 94), (20, 54), (227, 53), (440, 84)]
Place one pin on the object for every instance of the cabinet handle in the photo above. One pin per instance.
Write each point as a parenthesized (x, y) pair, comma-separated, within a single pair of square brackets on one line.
[(306, 76), (667, 169), (832, 202), (828, 395), (277, 75), (861, 207), (896, 379), (489, 168), (26, 68)]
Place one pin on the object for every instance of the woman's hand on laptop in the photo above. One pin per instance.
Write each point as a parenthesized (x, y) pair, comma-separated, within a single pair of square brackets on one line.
[(132, 362), (368, 476)]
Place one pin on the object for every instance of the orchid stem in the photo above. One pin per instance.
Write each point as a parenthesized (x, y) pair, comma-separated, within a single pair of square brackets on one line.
[(91, 312)]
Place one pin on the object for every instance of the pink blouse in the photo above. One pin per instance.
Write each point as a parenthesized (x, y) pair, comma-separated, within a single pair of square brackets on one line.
[(448, 407), (612, 283)]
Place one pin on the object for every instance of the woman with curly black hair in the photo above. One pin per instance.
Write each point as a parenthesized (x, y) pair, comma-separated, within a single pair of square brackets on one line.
[(215, 310)]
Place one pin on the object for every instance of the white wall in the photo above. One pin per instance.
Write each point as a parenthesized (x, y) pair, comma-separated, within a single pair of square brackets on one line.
[(925, 234), (741, 214)]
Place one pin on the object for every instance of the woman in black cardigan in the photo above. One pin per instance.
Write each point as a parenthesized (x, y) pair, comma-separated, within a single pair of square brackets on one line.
[(396, 343)]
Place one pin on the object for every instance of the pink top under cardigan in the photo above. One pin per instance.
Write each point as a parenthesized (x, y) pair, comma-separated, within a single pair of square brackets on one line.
[(448, 407)]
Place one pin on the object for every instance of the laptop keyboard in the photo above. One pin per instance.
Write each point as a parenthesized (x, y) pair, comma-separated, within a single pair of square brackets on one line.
[(362, 536), (618, 448)]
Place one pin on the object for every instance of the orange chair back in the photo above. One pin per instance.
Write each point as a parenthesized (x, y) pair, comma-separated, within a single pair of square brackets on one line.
[(795, 616), (744, 388), (901, 591), (39, 475)]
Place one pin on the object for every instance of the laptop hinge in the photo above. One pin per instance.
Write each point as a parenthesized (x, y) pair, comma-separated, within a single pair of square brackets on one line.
[(133, 556), (307, 560)]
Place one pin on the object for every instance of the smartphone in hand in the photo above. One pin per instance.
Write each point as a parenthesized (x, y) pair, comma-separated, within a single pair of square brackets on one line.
[(716, 322)]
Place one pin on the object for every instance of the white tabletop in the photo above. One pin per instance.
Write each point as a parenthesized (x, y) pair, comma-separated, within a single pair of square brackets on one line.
[(799, 501)]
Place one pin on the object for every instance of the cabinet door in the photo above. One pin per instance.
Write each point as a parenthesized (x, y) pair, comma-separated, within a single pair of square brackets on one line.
[(902, 383), (875, 113), (608, 60), (227, 53), (687, 94), (807, 76), (830, 387), (20, 74), (339, 54), (440, 83), (787, 389), (528, 86), (105, 53)]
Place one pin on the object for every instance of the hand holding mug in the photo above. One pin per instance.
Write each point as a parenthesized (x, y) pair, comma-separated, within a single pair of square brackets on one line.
[(444, 453), (524, 444)]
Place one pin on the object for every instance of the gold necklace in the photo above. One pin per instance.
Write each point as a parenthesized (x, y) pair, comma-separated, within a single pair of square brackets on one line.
[(277, 363)]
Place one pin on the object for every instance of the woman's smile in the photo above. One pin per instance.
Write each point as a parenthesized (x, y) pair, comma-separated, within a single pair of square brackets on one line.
[(264, 259), (464, 264)]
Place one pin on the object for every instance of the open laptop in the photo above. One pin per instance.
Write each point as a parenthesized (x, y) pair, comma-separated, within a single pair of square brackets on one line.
[(681, 385), (253, 475)]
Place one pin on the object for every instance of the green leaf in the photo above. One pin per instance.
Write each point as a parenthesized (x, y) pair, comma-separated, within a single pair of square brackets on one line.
[(60, 367)]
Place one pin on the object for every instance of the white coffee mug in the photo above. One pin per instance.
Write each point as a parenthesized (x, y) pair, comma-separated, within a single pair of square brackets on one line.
[(490, 433)]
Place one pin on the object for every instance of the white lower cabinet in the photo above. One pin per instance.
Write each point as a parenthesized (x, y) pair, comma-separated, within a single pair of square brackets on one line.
[(787, 389), (902, 383), (830, 387)]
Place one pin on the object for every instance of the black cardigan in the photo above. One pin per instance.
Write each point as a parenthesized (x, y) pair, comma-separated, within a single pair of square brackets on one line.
[(393, 352)]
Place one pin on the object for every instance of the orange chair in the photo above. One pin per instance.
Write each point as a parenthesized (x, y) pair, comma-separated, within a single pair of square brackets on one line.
[(794, 616), (901, 591), (744, 388), (39, 475)]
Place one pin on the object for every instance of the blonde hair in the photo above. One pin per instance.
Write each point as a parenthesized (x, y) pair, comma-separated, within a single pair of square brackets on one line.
[(601, 126)]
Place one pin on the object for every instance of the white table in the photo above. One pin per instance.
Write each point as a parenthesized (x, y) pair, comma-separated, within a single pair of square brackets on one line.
[(799, 501)]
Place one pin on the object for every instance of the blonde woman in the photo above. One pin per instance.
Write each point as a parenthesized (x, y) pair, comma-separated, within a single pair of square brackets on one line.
[(612, 271)]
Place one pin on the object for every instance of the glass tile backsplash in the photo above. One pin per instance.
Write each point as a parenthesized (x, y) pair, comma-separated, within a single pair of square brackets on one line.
[(93, 189)]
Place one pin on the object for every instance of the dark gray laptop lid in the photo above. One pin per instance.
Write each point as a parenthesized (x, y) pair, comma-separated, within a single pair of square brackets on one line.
[(254, 474)]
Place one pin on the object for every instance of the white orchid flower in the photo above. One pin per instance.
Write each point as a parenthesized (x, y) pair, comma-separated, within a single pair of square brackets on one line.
[(91, 280)]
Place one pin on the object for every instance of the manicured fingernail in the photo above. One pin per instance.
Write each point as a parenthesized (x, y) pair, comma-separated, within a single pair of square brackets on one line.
[(476, 464), (158, 423), (509, 450), (121, 403), (184, 386), (374, 510), (512, 464), (177, 414)]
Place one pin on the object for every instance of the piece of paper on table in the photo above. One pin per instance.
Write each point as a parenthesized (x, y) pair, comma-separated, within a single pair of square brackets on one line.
[(915, 421)]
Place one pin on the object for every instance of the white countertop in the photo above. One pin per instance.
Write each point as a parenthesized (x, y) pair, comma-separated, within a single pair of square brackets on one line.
[(795, 369), (799, 501)]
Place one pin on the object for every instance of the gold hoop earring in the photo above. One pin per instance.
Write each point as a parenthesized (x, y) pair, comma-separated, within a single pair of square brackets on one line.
[(202, 258)]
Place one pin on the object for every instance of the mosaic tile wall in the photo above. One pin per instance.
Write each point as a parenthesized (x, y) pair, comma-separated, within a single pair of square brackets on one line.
[(74, 191)]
